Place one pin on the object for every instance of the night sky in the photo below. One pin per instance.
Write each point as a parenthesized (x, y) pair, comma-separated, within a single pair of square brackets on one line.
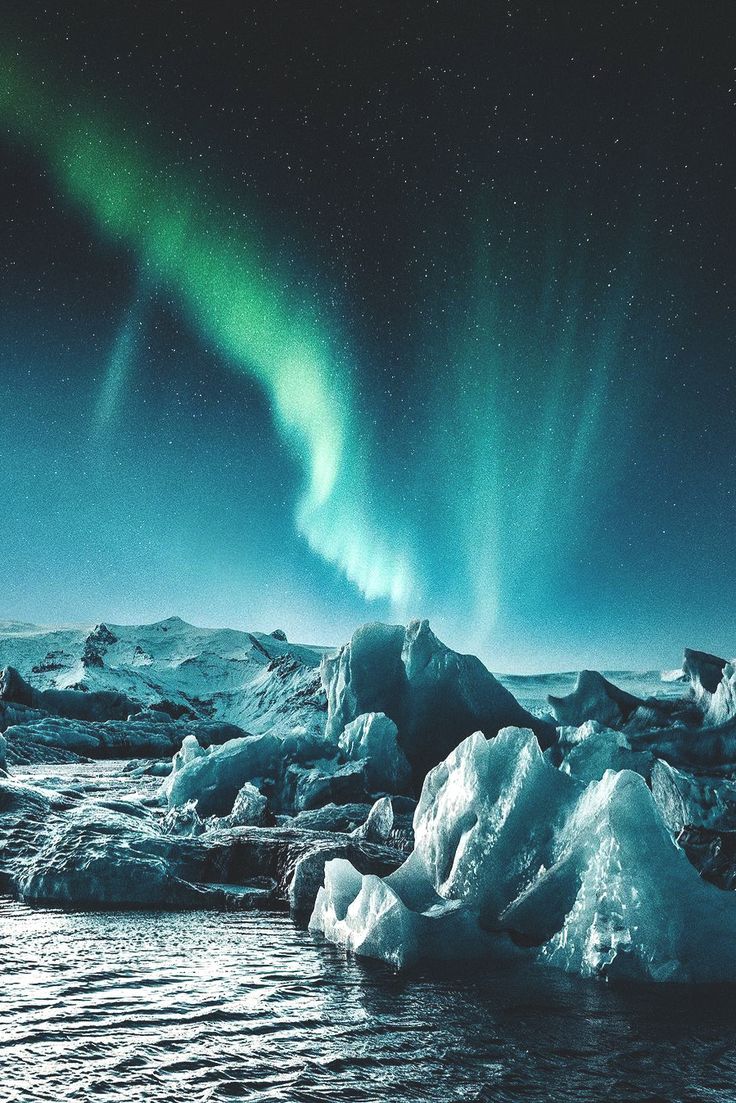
[(314, 314)]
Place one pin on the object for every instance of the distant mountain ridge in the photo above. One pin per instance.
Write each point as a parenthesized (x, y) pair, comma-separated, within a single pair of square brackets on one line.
[(251, 679)]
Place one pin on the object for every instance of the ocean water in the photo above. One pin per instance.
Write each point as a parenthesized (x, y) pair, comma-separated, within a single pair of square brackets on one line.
[(210, 1006)]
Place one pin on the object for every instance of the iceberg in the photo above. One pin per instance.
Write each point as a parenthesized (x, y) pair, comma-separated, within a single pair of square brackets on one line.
[(435, 696), (214, 776), (249, 809), (515, 856), (374, 737), (483, 829)]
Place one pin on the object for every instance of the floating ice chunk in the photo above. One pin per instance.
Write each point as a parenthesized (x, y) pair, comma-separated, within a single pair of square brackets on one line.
[(484, 827), (374, 737), (214, 776), (585, 879), (366, 675), (485, 822), (574, 735), (183, 820), (94, 855), (249, 808), (367, 915), (379, 822), (190, 750)]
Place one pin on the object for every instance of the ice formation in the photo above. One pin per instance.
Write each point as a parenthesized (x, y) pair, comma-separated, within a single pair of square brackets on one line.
[(604, 844), (514, 855), (435, 696), (374, 736), (214, 776), (76, 849), (249, 809)]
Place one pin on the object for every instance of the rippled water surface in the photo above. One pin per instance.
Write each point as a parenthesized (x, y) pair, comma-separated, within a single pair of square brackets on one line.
[(220, 1006)]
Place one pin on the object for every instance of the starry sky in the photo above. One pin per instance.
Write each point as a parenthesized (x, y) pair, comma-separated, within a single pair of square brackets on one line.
[(319, 314)]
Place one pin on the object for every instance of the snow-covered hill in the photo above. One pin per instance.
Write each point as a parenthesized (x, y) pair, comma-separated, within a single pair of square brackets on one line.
[(251, 679)]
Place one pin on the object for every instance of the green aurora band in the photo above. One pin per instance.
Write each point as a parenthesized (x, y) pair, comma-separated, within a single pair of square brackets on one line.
[(259, 322)]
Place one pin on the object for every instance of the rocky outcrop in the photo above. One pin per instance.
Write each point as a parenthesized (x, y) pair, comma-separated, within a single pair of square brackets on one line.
[(44, 738)]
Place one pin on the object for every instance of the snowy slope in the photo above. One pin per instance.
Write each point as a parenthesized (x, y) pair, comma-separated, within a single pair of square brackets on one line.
[(251, 679)]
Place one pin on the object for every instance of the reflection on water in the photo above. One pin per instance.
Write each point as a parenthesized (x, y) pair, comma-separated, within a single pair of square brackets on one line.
[(209, 1006)]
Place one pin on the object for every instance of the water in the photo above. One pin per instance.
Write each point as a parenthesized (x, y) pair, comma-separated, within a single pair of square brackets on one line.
[(241, 1006), (219, 1006)]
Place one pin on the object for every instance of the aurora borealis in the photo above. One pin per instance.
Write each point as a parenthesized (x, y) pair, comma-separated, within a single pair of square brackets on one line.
[(234, 298), (311, 321)]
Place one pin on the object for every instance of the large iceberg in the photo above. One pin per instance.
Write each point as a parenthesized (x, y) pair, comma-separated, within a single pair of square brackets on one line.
[(515, 856), (435, 696)]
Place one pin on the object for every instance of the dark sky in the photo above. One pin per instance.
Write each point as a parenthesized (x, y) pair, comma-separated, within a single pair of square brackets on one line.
[(320, 313)]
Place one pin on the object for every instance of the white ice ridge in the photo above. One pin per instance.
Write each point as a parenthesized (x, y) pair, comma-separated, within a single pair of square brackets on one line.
[(514, 856)]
